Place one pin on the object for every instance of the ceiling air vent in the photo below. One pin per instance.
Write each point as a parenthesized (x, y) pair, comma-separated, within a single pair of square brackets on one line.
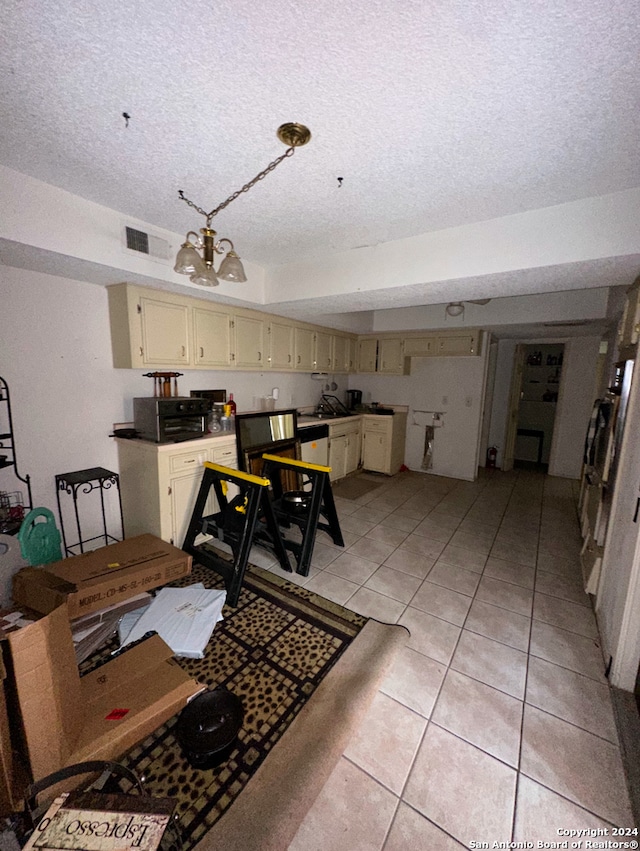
[(137, 240), (141, 242)]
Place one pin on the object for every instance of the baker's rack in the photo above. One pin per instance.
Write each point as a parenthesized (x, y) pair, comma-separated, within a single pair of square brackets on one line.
[(12, 505)]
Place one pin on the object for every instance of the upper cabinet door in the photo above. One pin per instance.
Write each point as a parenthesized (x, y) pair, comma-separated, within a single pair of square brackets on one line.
[(281, 345), (419, 346), (249, 342), (323, 358), (390, 356), (212, 333), (367, 355), (340, 353), (464, 344), (165, 332), (304, 356), (352, 359)]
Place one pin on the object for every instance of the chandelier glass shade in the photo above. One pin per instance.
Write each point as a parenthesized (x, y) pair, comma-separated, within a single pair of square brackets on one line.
[(200, 267), (196, 255)]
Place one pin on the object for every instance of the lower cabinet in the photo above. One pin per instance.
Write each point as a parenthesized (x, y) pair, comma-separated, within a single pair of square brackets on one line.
[(159, 483), (383, 439), (344, 449)]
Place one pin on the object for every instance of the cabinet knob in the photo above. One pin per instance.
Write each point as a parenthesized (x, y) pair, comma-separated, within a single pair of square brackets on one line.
[(259, 356), (299, 358), (201, 352), (288, 358)]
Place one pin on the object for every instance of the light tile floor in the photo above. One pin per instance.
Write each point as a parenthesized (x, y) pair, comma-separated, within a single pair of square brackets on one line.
[(495, 723)]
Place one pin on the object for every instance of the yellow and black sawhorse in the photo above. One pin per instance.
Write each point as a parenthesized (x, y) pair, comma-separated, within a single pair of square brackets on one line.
[(321, 513), (239, 523), (255, 516)]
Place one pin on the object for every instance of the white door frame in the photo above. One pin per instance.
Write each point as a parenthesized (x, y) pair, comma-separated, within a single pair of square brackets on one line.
[(514, 404)]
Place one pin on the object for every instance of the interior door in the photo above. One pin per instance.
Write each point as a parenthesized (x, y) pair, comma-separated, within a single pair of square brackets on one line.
[(514, 405)]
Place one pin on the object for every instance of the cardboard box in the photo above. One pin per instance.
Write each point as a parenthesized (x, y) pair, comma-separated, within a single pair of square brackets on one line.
[(57, 718), (94, 580)]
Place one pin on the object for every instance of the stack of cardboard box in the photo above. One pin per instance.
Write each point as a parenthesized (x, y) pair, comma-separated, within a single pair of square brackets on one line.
[(49, 716)]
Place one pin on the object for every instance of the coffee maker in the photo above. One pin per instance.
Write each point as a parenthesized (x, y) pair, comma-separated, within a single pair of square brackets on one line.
[(354, 399)]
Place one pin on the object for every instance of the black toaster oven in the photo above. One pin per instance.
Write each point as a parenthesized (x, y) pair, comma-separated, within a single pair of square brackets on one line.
[(170, 419)]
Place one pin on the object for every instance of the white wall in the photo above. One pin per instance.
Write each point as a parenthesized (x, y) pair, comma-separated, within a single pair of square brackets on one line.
[(577, 394), (588, 229), (550, 307), (87, 237), (55, 354), (454, 385)]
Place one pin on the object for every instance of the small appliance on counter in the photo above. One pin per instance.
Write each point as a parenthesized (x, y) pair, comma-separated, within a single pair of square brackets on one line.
[(354, 399), (218, 399), (170, 420), (214, 395)]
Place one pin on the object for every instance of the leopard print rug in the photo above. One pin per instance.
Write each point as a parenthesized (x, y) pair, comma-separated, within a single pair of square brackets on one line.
[(271, 651)]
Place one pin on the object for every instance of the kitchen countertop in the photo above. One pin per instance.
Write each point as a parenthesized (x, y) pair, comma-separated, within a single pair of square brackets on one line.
[(310, 420), (220, 437), (304, 420)]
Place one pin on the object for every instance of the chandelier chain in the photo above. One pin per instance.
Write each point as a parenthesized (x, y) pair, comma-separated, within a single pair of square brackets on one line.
[(245, 188)]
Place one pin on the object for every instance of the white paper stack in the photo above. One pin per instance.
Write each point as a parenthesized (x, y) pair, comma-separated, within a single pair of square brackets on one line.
[(183, 617)]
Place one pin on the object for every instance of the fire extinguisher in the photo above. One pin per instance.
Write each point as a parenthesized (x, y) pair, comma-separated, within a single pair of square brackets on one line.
[(492, 454)]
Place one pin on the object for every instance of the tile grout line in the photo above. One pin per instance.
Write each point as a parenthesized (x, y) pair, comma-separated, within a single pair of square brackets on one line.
[(514, 814)]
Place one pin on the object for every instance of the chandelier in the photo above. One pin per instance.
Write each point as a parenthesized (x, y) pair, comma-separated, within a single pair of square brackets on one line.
[(199, 266)]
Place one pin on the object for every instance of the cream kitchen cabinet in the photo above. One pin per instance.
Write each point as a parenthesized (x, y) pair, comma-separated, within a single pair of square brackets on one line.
[(352, 363), (322, 351), (354, 448), (457, 344), (383, 439), (212, 337), (304, 349), (382, 355), (390, 356), (153, 328), (337, 456), (340, 353), (281, 345), (419, 346), (149, 328), (248, 350), (345, 353), (367, 354), (344, 448), (159, 483)]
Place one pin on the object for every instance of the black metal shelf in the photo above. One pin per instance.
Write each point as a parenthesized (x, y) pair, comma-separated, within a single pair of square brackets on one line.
[(11, 524)]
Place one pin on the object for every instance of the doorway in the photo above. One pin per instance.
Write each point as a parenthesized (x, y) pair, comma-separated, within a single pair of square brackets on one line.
[(537, 374)]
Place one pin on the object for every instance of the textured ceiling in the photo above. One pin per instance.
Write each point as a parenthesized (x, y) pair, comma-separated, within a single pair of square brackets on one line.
[(435, 114)]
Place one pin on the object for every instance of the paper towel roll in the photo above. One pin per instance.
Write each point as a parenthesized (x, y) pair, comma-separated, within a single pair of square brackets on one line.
[(10, 562)]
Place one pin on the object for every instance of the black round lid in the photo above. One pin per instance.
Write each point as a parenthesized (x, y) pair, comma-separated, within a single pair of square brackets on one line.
[(210, 722)]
